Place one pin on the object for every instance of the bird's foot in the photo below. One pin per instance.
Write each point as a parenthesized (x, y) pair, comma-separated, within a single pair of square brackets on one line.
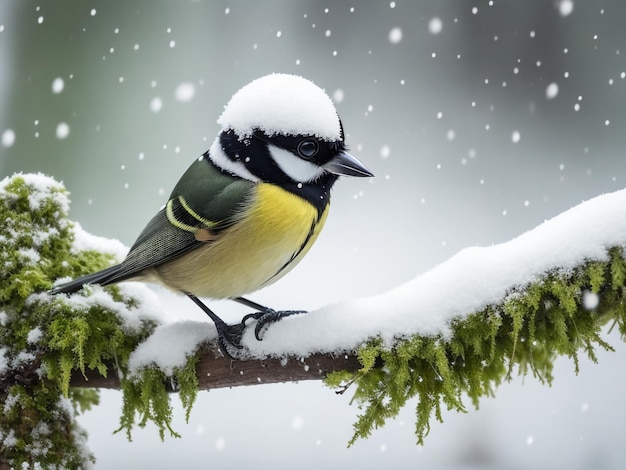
[(229, 338), (266, 318)]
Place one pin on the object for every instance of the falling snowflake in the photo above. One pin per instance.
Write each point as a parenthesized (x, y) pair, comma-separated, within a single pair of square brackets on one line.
[(395, 35), (435, 25)]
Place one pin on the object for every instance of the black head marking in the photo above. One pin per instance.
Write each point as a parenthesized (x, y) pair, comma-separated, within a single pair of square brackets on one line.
[(325, 150), (254, 154)]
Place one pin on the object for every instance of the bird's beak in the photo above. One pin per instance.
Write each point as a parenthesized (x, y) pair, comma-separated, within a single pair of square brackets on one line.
[(345, 164)]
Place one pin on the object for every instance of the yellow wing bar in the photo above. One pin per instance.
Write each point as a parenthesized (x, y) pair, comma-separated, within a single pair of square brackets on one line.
[(169, 212)]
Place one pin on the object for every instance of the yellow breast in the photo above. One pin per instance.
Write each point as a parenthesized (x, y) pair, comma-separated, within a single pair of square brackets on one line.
[(273, 235)]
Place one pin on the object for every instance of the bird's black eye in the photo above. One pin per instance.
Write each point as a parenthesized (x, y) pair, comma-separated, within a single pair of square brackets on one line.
[(308, 148)]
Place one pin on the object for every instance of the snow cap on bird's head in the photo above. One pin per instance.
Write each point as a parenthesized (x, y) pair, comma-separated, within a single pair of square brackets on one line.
[(282, 104)]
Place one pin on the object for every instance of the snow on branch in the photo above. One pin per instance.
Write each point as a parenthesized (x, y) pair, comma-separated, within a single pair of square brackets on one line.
[(459, 329)]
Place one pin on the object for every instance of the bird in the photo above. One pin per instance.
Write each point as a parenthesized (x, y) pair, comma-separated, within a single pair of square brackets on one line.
[(249, 208)]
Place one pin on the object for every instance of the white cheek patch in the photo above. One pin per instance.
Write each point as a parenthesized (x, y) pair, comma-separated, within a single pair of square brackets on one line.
[(296, 168), (219, 159)]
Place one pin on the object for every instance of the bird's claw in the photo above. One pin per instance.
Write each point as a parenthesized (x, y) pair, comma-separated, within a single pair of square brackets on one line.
[(266, 318), (229, 336)]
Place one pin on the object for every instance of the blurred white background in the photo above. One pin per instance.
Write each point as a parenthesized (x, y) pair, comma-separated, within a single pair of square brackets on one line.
[(480, 120)]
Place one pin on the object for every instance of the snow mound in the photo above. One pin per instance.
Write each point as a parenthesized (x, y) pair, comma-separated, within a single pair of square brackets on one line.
[(466, 283), (43, 187), (84, 240), (281, 104), (170, 346)]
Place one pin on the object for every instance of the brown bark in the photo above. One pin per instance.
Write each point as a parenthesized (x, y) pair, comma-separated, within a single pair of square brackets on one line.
[(219, 372)]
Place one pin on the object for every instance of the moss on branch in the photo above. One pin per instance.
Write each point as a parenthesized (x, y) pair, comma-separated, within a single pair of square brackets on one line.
[(45, 341), (561, 314)]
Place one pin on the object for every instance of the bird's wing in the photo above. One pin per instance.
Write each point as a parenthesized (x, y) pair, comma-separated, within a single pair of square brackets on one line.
[(204, 202)]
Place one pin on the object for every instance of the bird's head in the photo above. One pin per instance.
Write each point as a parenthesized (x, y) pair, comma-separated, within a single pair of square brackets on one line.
[(283, 129)]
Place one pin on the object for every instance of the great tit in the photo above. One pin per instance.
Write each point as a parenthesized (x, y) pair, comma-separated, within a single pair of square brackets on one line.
[(247, 210)]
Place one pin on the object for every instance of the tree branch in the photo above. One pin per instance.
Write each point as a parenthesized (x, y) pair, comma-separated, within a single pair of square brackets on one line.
[(457, 331), (220, 372)]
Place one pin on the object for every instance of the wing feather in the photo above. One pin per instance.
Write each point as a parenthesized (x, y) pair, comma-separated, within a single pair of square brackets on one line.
[(204, 203)]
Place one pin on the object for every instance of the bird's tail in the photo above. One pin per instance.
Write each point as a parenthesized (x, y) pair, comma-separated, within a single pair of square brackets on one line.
[(104, 277)]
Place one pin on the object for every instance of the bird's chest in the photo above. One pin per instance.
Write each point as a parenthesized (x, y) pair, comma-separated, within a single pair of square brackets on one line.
[(274, 233), (275, 230)]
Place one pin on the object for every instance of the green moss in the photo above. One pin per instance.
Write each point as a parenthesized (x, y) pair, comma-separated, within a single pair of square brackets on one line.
[(39, 430), (45, 339), (147, 397), (83, 399), (525, 333)]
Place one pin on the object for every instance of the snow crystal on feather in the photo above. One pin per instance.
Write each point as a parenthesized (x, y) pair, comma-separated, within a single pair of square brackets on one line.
[(281, 104)]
